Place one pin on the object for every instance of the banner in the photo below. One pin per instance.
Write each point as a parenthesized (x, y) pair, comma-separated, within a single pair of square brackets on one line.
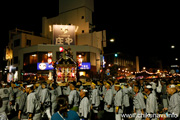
[(44, 66), (64, 34), (9, 53), (85, 66)]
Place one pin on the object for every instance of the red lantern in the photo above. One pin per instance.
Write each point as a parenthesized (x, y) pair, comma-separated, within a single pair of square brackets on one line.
[(59, 74), (61, 49), (80, 62), (72, 74), (49, 60)]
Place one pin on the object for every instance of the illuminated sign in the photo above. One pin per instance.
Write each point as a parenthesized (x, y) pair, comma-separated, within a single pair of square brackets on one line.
[(44, 66), (10, 77), (85, 66), (9, 53), (174, 66), (64, 34)]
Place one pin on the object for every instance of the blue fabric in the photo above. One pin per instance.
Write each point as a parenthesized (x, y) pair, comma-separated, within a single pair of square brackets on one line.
[(72, 115)]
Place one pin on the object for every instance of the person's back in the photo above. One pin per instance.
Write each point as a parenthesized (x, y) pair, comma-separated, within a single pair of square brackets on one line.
[(71, 115), (63, 112)]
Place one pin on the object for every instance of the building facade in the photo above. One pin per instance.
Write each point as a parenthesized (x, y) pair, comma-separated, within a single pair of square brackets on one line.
[(27, 50), (124, 64)]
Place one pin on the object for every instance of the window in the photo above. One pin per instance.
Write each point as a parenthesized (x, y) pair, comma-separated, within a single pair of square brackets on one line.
[(30, 59), (16, 60), (33, 59), (82, 17), (84, 55), (17, 43), (43, 57), (28, 42), (82, 31)]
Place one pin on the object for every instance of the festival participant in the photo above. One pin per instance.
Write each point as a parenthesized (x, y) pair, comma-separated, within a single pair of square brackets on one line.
[(94, 100), (151, 103), (63, 112), (118, 102), (108, 100), (84, 107), (74, 97), (139, 104), (33, 104), (173, 109)]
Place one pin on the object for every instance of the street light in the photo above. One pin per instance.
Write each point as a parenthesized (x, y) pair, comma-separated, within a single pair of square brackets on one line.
[(112, 40), (176, 59), (172, 46)]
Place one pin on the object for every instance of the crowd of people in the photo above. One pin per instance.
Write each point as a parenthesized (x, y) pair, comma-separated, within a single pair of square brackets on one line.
[(151, 99)]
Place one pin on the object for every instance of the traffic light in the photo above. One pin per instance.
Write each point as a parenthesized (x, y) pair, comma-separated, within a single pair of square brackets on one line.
[(115, 55)]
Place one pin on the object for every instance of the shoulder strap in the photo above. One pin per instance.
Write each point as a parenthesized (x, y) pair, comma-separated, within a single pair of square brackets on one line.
[(61, 116)]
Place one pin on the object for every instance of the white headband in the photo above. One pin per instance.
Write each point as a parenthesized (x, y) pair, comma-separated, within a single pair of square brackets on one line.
[(172, 86), (28, 86), (84, 90), (4, 84), (148, 86)]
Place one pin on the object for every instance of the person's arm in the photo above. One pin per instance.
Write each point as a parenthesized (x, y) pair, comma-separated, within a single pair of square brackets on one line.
[(110, 98), (152, 104), (118, 101), (93, 97), (30, 105), (59, 90), (70, 97), (86, 108), (43, 95), (176, 108), (21, 105), (19, 114), (141, 101), (22, 101)]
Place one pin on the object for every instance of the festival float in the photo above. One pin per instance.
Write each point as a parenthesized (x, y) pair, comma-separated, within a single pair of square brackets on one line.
[(66, 68)]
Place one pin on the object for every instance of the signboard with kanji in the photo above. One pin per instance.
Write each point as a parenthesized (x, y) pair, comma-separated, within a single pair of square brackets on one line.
[(85, 66), (64, 34)]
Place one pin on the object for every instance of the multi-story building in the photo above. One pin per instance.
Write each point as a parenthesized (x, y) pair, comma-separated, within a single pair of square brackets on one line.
[(125, 63), (27, 50)]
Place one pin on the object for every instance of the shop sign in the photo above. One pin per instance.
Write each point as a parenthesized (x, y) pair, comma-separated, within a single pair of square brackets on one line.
[(64, 34), (10, 77), (44, 66), (85, 66)]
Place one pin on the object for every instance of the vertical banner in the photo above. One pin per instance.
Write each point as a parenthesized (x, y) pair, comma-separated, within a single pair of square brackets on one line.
[(64, 34), (9, 53)]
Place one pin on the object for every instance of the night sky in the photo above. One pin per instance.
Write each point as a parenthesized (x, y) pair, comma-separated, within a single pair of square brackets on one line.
[(145, 29)]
